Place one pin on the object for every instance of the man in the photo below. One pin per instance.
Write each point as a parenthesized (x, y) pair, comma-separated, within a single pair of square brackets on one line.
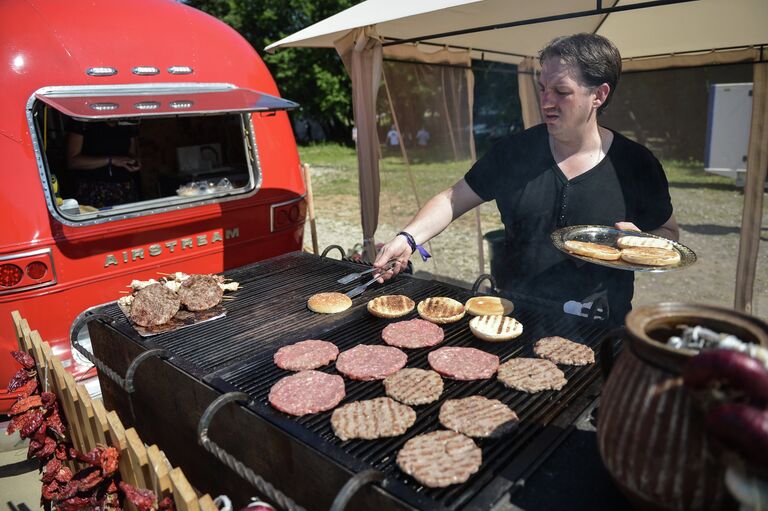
[(567, 171)]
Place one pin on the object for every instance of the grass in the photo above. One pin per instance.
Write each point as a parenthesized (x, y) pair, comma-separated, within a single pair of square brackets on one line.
[(431, 177)]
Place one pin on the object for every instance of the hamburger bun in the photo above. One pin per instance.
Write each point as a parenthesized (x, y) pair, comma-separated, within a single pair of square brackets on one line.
[(329, 303), (441, 310), (495, 328), (390, 306), (642, 241), (650, 256), (488, 306), (594, 250)]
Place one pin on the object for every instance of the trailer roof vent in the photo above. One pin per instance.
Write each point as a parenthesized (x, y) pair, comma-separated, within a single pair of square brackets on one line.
[(104, 107), (145, 70), (147, 105), (182, 103), (101, 71), (180, 70)]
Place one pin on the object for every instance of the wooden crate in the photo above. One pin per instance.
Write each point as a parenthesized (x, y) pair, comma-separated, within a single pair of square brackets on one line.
[(90, 424)]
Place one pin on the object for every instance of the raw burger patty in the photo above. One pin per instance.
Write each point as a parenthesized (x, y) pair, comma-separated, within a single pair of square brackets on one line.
[(463, 363), (306, 355), (477, 416), (531, 375), (563, 351), (200, 292), (374, 418), (154, 305), (307, 392), (415, 333), (414, 386), (440, 458), (366, 362)]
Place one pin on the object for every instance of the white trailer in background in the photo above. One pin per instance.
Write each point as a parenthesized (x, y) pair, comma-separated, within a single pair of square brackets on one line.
[(728, 121)]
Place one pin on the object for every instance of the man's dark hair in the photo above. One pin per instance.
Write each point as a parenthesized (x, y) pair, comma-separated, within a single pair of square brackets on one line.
[(596, 58)]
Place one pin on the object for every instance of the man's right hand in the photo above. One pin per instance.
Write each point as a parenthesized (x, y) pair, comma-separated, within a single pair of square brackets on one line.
[(397, 248)]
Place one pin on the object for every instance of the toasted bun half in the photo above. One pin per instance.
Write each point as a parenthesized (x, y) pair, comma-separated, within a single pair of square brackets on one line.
[(641, 241), (391, 306), (329, 303), (441, 310), (650, 256), (488, 306), (495, 328), (594, 250)]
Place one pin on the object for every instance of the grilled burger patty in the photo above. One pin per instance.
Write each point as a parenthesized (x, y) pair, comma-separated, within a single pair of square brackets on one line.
[(414, 333), (477, 416), (200, 292), (463, 363), (367, 362), (440, 458), (372, 418), (307, 392), (304, 355), (531, 375), (563, 351), (154, 305), (414, 386)]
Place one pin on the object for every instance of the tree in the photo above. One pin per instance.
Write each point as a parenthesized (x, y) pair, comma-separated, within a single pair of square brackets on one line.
[(313, 77)]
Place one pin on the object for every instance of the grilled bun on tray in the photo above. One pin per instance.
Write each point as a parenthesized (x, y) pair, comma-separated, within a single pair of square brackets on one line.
[(650, 256), (329, 303), (642, 241), (495, 328), (440, 310), (594, 250), (390, 306), (488, 306)]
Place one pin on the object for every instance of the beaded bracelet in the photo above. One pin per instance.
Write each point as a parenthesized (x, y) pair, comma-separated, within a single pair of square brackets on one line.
[(415, 246)]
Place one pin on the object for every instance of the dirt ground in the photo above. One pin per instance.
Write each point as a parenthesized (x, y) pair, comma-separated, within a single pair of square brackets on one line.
[(709, 216)]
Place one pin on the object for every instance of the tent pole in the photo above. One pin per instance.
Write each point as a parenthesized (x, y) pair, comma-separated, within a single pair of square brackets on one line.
[(757, 168)]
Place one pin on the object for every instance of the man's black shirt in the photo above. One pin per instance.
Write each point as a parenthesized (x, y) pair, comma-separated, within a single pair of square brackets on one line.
[(535, 198)]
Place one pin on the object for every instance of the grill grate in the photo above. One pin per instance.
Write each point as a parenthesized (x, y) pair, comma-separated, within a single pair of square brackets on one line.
[(235, 353)]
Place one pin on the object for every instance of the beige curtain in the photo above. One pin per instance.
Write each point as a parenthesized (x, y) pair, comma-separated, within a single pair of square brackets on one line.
[(527, 72), (757, 168), (361, 52)]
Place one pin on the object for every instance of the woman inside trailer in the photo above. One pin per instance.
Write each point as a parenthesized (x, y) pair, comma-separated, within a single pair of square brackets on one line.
[(103, 157)]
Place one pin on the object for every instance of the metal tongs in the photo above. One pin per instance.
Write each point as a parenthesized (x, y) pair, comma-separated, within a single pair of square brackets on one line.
[(362, 287), (354, 276)]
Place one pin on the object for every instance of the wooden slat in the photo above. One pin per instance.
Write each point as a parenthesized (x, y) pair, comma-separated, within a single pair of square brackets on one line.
[(183, 494), (138, 454), (96, 431), (206, 503), (100, 420), (17, 319), (161, 468), (60, 377), (80, 416), (37, 351), (117, 439), (26, 343)]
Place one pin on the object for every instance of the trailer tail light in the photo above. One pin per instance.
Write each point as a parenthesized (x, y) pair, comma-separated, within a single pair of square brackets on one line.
[(287, 214), (10, 275), (27, 270), (36, 270)]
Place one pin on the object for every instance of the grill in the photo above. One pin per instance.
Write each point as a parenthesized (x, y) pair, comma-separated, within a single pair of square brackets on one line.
[(235, 354)]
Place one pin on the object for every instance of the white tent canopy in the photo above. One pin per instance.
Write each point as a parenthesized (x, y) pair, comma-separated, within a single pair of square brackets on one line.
[(650, 34), (687, 25)]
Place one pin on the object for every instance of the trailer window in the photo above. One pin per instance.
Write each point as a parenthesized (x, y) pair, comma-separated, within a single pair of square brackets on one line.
[(102, 169)]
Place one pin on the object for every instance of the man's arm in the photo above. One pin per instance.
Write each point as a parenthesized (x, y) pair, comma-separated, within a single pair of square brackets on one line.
[(669, 229), (431, 220)]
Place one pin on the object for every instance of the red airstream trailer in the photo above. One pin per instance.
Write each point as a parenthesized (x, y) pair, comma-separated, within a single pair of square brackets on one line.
[(219, 185)]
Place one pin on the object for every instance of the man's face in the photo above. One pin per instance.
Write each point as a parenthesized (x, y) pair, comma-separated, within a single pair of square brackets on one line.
[(566, 105)]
